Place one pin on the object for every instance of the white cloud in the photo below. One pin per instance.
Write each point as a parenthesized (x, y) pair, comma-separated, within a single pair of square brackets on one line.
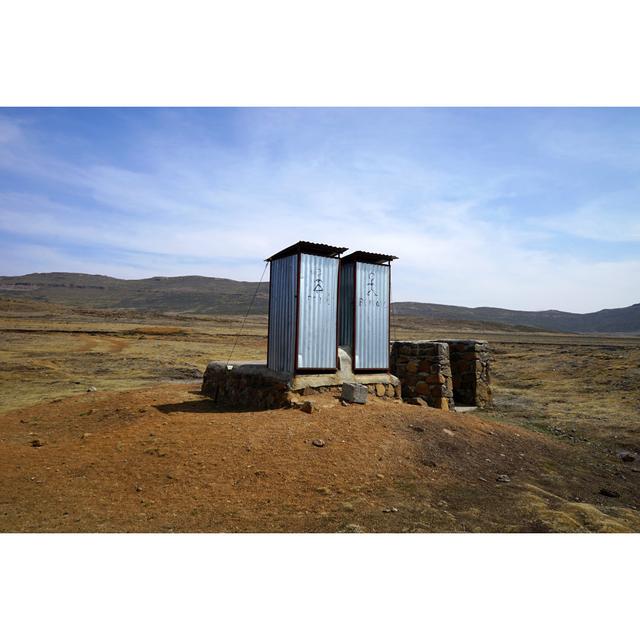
[(611, 218), (199, 209)]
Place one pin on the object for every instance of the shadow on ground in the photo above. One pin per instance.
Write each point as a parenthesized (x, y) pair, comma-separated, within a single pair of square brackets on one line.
[(203, 405)]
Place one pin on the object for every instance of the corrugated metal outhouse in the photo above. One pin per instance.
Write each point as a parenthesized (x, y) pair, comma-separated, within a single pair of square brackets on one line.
[(303, 308), (365, 297)]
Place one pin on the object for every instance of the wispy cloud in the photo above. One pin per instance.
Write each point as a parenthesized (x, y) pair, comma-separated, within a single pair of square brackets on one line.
[(174, 192), (612, 218)]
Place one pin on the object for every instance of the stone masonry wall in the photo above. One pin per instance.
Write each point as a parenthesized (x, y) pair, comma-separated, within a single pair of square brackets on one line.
[(245, 387), (255, 387), (379, 390), (470, 369), (424, 370)]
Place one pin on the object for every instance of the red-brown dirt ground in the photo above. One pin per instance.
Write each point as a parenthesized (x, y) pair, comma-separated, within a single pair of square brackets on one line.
[(163, 459)]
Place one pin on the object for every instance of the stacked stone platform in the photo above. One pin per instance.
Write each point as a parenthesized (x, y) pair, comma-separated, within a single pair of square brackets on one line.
[(424, 370), (443, 373), (255, 387)]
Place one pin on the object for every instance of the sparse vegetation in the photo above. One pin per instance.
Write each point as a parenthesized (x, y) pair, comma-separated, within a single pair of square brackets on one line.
[(145, 454), (215, 296)]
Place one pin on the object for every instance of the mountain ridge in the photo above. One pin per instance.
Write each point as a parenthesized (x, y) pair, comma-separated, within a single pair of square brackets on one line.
[(211, 295), (622, 320)]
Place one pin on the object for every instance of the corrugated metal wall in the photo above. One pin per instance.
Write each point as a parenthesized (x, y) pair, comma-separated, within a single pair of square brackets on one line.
[(317, 339), (346, 306), (282, 313), (372, 316)]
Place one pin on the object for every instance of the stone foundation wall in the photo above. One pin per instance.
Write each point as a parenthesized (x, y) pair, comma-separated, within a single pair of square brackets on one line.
[(424, 370), (379, 390), (470, 360), (245, 387), (257, 388)]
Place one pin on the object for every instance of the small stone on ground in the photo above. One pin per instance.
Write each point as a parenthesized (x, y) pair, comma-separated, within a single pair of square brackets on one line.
[(354, 392), (308, 407)]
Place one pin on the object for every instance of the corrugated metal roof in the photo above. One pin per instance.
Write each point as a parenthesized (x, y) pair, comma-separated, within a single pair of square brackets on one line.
[(367, 256), (313, 248)]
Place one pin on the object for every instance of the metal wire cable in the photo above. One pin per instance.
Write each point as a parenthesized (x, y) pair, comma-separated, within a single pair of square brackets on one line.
[(255, 293)]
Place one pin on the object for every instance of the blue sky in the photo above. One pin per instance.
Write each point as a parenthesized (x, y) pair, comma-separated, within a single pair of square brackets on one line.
[(520, 208)]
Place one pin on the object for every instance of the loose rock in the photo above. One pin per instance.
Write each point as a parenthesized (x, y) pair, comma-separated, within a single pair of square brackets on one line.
[(503, 477), (36, 442), (610, 493), (308, 407), (627, 456), (91, 389), (318, 442), (354, 392)]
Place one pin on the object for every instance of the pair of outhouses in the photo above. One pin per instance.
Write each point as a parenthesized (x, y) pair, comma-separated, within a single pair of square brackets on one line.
[(319, 301)]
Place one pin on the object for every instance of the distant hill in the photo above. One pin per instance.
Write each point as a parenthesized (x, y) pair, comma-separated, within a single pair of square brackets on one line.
[(625, 320), (199, 294), (192, 294)]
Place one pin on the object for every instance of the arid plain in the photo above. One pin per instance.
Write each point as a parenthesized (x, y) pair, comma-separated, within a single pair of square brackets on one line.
[(146, 452)]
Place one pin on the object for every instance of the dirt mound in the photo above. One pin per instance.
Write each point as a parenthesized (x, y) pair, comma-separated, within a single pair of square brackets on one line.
[(165, 459)]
